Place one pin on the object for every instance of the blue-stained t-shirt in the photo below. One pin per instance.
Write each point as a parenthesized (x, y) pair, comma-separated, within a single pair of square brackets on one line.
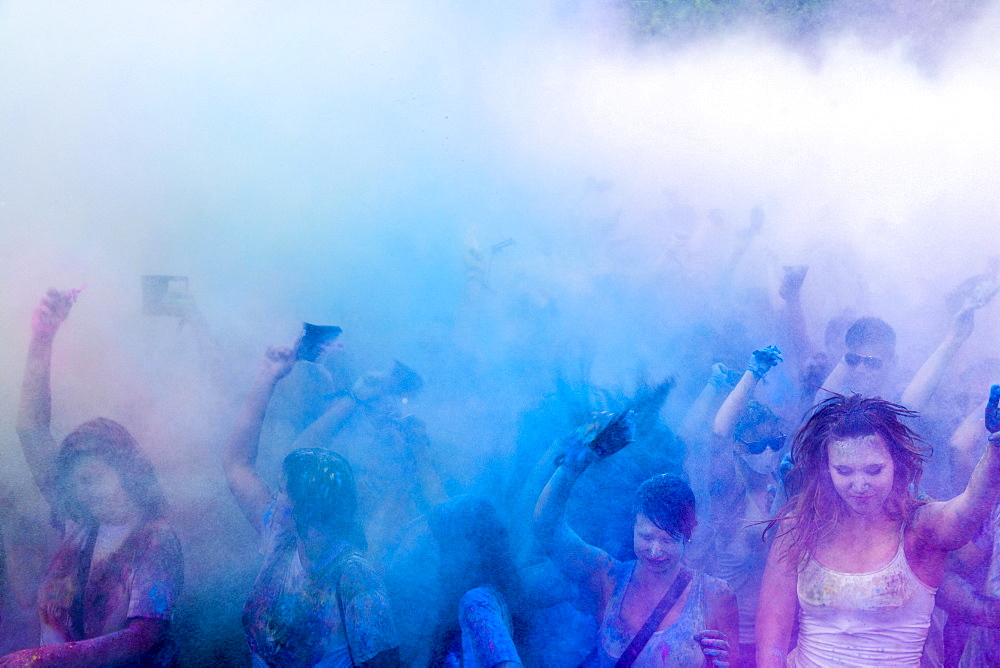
[(292, 617)]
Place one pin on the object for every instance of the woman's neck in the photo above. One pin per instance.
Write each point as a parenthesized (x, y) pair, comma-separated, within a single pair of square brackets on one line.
[(317, 550), (647, 578), (867, 523)]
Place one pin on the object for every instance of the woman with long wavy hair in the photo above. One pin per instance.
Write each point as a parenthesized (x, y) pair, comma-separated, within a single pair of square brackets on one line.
[(856, 552), (108, 595)]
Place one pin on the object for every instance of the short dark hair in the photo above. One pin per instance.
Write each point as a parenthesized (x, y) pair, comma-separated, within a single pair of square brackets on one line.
[(668, 502), (870, 330), (113, 444)]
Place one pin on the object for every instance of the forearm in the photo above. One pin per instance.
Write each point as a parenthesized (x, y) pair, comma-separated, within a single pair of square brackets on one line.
[(965, 441), (957, 597), (928, 377), (525, 499), (776, 611), (35, 412), (773, 636), (320, 432), (697, 418), (551, 506), (241, 448), (583, 564), (799, 345), (834, 383), (732, 408), (125, 647), (537, 478), (963, 515), (430, 488)]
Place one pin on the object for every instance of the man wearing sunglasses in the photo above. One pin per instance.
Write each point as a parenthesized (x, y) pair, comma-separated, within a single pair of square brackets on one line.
[(865, 367)]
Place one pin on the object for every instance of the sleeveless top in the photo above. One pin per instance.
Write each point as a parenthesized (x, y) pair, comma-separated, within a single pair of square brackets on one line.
[(674, 646), (862, 619)]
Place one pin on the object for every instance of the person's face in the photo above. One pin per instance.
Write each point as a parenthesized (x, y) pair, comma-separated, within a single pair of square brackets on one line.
[(98, 487), (765, 436), (869, 364), (656, 549), (862, 472)]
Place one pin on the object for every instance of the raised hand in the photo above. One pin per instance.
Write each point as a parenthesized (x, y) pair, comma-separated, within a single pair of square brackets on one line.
[(278, 362), (993, 414), (714, 646), (52, 311), (983, 293), (722, 376), (791, 283), (577, 454), (763, 360)]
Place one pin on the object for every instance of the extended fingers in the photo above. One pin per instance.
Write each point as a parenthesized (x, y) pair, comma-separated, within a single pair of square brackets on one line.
[(716, 643)]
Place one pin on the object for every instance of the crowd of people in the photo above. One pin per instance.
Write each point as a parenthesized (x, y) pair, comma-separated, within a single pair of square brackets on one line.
[(760, 531)]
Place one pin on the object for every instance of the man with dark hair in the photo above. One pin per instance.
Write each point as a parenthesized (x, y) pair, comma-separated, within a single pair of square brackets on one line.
[(871, 354)]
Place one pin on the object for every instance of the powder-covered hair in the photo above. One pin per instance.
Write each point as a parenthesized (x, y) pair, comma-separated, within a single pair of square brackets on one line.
[(815, 507), (114, 445), (320, 484), (755, 414), (870, 330), (668, 502)]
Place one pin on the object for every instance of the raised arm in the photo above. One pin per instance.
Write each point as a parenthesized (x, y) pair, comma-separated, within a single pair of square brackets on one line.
[(776, 609), (125, 647), (951, 524), (732, 408), (584, 564), (961, 601), (321, 432), (835, 382), (35, 412), (965, 443), (918, 393), (794, 320), (429, 490), (369, 387), (240, 456), (698, 417)]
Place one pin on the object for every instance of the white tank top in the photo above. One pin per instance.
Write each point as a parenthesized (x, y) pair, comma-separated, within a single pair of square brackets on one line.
[(862, 619)]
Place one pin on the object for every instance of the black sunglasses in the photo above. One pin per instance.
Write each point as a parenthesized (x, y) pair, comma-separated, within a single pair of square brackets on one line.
[(757, 447), (853, 359)]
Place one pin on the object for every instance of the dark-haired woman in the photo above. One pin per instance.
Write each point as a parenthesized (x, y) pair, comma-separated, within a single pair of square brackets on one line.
[(316, 601), (856, 552), (108, 595), (653, 612), (482, 593)]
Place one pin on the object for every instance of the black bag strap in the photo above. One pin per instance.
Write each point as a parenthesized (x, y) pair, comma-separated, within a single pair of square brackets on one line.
[(655, 617), (82, 574)]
